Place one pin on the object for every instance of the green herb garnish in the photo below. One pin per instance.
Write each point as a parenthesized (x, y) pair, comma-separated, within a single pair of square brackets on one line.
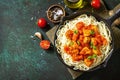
[(71, 43), (92, 32), (92, 56), (76, 31), (78, 42), (89, 57), (92, 46)]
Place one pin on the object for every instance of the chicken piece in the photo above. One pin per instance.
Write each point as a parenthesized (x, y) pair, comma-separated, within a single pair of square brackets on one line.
[(86, 32), (104, 40), (77, 57), (95, 28), (86, 51), (80, 31), (98, 39), (80, 25), (101, 40), (96, 51), (81, 37), (75, 45), (69, 34), (94, 41), (74, 51), (75, 36), (86, 39), (88, 62)]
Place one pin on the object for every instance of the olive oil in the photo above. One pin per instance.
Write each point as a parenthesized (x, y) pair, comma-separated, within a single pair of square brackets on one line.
[(74, 4)]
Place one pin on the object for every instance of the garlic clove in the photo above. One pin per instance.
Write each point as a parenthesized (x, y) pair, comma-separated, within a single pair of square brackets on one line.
[(38, 34)]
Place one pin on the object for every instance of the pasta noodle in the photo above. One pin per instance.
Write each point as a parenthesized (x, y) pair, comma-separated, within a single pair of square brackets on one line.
[(61, 41)]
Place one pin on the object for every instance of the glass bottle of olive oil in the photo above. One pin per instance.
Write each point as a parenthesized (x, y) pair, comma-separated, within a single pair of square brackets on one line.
[(74, 4)]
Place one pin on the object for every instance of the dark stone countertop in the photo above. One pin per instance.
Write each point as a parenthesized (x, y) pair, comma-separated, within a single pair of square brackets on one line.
[(21, 58)]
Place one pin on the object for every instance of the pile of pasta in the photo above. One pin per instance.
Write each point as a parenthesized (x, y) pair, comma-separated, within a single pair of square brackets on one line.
[(83, 42)]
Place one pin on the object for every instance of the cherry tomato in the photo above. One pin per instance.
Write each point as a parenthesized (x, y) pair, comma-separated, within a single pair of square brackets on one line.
[(42, 22), (95, 4), (45, 44)]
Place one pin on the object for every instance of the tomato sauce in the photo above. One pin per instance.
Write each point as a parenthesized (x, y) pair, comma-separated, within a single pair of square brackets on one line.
[(85, 43)]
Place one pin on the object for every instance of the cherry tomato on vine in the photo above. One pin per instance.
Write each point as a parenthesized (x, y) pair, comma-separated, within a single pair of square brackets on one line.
[(42, 22), (45, 44), (95, 4)]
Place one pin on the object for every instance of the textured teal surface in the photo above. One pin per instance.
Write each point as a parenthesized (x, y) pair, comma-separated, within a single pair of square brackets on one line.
[(21, 58)]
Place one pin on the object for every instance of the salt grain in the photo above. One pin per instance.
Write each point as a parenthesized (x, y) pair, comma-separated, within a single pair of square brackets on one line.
[(59, 12)]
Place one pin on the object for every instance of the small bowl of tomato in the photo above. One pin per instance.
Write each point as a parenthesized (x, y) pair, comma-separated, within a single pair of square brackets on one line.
[(55, 13)]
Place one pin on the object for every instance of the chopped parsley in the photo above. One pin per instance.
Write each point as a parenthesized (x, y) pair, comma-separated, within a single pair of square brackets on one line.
[(71, 43), (92, 32), (78, 42), (92, 46), (92, 56), (76, 31)]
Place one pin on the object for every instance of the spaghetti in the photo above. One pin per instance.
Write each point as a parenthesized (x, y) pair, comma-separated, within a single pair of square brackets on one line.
[(83, 47)]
